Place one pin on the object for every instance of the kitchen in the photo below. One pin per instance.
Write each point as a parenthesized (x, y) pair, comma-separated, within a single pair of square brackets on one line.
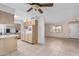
[(10, 31), (8, 40)]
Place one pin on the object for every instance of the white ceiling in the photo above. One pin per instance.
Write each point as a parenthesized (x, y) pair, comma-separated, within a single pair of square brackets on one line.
[(59, 12)]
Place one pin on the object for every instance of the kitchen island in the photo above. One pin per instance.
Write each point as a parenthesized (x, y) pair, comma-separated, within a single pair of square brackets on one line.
[(8, 43)]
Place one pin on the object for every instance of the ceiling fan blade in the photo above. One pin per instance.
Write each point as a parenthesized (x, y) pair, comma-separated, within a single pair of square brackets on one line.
[(40, 10), (33, 3), (29, 9), (46, 4)]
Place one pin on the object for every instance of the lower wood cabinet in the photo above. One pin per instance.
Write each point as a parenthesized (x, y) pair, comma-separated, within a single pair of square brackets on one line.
[(28, 38), (10, 44), (7, 45), (2, 47)]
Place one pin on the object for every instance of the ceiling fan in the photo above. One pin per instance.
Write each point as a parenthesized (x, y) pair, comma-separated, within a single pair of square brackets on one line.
[(37, 6)]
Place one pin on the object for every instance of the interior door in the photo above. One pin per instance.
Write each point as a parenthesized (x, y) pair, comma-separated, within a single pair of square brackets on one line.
[(73, 30)]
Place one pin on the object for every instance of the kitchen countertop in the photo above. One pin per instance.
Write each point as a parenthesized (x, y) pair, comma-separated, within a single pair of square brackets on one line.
[(8, 36)]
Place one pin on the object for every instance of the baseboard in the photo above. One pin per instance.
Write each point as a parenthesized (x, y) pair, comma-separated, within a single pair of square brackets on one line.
[(60, 37), (28, 42)]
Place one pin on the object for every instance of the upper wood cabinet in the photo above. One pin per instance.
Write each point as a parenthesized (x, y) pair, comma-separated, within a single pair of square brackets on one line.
[(29, 22), (6, 18)]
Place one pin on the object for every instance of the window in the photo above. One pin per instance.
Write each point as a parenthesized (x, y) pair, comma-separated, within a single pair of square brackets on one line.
[(56, 28)]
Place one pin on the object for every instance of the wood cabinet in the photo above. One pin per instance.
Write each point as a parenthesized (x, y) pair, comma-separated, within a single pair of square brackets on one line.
[(6, 18), (10, 44), (2, 46), (7, 45), (30, 36)]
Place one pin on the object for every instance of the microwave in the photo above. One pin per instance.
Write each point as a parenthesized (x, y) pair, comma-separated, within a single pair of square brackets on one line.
[(10, 29)]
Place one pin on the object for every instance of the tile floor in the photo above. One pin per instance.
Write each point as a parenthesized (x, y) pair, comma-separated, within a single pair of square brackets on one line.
[(52, 47)]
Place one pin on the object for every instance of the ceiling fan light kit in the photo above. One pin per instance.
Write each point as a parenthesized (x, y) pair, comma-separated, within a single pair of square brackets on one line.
[(35, 7)]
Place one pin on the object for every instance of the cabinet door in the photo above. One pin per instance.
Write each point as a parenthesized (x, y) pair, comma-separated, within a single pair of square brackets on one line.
[(30, 38), (22, 36), (26, 37), (10, 44), (6, 18), (2, 46)]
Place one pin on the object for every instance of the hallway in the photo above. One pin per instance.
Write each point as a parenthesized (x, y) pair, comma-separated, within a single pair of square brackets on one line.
[(52, 47)]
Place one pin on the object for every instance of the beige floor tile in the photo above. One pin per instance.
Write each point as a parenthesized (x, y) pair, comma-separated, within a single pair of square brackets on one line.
[(52, 47)]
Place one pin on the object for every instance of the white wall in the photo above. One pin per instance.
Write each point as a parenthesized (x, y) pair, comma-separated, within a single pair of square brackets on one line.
[(77, 11), (59, 12), (61, 16), (18, 21), (64, 33), (41, 30)]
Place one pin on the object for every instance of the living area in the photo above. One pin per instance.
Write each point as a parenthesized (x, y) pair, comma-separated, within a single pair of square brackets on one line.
[(53, 31)]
